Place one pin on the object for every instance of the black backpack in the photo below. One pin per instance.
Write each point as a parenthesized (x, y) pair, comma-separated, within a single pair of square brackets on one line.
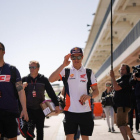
[(13, 80), (67, 72)]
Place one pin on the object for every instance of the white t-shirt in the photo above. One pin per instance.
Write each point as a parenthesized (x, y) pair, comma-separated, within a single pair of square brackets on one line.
[(77, 86)]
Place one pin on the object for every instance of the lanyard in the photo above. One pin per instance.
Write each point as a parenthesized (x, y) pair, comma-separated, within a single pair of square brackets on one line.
[(33, 83), (1, 68)]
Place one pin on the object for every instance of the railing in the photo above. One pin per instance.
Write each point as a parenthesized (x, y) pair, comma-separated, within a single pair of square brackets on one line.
[(130, 38), (103, 22)]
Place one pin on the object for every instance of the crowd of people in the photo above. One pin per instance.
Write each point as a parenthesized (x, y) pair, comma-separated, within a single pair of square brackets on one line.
[(121, 98), (20, 98)]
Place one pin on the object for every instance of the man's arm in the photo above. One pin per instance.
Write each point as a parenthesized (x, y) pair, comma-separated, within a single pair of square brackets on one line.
[(115, 84), (22, 98), (94, 94), (55, 75)]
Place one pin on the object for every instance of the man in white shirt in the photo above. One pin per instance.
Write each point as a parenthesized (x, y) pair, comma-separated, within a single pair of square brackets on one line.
[(77, 105)]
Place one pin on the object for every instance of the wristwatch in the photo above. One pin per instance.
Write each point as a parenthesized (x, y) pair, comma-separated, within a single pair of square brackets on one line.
[(90, 95)]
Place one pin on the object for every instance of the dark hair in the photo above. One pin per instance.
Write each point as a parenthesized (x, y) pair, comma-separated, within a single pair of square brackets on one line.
[(2, 46), (127, 68), (36, 62)]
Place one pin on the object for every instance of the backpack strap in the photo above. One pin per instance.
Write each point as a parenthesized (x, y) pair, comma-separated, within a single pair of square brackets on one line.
[(88, 72), (67, 73), (13, 74), (13, 80)]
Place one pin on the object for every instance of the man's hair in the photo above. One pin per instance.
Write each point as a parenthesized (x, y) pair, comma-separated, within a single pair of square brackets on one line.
[(36, 62), (127, 67), (107, 82), (3, 47)]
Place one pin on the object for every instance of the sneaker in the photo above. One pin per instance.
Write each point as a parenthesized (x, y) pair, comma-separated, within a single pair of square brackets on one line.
[(109, 130), (137, 131), (30, 129), (18, 132), (113, 130), (22, 127)]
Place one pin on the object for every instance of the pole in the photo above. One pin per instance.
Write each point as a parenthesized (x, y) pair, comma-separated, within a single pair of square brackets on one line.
[(111, 39)]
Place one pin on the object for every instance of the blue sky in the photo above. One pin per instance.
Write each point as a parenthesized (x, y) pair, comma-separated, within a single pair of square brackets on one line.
[(43, 30)]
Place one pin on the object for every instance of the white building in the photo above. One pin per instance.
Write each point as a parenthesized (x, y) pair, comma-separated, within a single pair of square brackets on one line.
[(126, 39)]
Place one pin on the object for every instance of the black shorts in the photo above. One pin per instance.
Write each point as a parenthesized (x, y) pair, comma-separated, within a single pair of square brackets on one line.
[(83, 120), (8, 126)]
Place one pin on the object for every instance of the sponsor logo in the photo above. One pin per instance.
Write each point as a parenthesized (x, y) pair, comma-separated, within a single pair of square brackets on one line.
[(71, 76), (5, 78), (83, 81), (83, 76)]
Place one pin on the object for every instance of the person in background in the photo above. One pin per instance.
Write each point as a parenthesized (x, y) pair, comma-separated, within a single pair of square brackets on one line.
[(122, 99), (108, 106), (35, 85), (9, 108)]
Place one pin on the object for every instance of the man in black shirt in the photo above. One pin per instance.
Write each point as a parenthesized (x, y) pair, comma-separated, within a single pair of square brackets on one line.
[(135, 82), (122, 99), (9, 109), (35, 85)]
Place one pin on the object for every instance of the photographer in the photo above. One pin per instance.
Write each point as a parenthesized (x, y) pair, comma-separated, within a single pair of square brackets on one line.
[(122, 98), (135, 82)]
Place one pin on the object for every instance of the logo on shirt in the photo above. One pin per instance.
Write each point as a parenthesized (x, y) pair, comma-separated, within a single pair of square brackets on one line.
[(83, 76), (71, 75), (83, 81), (5, 78)]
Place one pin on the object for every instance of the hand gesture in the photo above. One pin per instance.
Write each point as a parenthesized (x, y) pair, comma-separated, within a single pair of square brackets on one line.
[(66, 60)]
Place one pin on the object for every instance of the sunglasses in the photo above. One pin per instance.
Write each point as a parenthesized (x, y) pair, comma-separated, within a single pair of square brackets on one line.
[(78, 57), (108, 85), (33, 67), (1, 48)]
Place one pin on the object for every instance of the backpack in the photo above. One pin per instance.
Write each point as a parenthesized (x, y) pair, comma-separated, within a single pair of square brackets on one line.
[(13, 80), (67, 72)]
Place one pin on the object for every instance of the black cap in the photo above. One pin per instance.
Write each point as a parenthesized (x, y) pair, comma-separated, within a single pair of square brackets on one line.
[(76, 50)]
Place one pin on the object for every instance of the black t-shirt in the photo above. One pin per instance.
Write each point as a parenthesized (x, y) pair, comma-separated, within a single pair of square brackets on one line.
[(123, 97), (8, 100), (39, 84)]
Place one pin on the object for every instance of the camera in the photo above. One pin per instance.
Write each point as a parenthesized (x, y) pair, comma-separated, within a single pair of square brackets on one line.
[(136, 70)]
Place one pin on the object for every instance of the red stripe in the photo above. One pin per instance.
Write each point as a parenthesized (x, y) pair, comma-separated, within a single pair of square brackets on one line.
[(93, 84), (60, 76), (29, 134), (67, 102)]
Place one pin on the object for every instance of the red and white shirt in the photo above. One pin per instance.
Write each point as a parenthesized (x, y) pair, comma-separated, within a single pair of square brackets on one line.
[(77, 86)]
